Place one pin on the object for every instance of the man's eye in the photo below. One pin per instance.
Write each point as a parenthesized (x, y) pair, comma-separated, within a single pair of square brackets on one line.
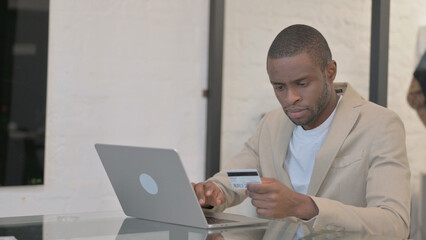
[(279, 87), (301, 84)]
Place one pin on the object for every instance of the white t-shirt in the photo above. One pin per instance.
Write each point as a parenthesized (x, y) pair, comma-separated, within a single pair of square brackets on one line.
[(304, 146)]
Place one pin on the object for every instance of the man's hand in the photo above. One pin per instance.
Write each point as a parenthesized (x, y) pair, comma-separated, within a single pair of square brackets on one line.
[(215, 236), (208, 194), (275, 200)]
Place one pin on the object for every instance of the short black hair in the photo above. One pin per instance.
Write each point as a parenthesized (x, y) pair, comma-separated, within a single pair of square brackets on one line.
[(297, 39)]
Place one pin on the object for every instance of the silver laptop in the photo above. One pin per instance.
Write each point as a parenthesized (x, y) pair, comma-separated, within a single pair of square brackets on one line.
[(152, 184)]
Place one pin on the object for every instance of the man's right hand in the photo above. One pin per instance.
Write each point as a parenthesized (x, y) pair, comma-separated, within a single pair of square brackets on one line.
[(208, 194)]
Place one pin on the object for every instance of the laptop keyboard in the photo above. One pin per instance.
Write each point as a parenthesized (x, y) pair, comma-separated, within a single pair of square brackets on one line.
[(213, 220)]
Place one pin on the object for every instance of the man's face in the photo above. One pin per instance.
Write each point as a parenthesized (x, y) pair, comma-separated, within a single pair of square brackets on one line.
[(303, 89)]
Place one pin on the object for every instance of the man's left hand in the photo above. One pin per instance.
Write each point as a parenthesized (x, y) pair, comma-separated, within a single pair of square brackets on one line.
[(275, 200)]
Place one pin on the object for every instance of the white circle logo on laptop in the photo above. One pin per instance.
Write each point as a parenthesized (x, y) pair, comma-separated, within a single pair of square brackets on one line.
[(148, 183)]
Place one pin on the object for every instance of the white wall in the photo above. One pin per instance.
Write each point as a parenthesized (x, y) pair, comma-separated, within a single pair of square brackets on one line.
[(251, 26), (124, 72)]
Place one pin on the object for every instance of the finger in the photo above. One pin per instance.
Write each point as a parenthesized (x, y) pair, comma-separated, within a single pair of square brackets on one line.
[(216, 197), (263, 212), (219, 197), (258, 188), (254, 195), (267, 185), (214, 201), (199, 191), (260, 203), (256, 203), (215, 236), (209, 188)]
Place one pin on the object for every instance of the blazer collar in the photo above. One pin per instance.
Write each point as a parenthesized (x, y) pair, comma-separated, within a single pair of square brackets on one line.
[(344, 120)]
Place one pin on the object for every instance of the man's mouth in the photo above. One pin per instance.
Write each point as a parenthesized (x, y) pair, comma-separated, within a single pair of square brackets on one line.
[(296, 113)]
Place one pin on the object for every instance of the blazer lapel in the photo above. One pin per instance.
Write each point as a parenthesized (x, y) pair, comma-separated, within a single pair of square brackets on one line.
[(283, 138), (344, 120)]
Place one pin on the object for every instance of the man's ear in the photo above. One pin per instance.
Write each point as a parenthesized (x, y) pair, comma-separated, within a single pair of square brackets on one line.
[(331, 71)]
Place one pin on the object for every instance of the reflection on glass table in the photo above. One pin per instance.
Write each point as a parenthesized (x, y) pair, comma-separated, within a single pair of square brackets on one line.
[(115, 225), (137, 228)]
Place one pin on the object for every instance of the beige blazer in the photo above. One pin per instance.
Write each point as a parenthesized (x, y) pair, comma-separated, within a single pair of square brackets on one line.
[(361, 177)]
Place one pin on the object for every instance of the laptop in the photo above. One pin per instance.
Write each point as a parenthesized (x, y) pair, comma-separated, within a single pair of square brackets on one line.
[(152, 184)]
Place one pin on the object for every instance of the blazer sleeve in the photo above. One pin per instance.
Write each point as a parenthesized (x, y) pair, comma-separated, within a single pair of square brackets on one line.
[(387, 188), (247, 158)]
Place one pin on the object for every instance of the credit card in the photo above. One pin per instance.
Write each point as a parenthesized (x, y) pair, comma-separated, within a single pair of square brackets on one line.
[(239, 178)]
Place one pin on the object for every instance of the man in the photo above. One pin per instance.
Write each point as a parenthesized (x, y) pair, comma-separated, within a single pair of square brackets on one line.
[(333, 159)]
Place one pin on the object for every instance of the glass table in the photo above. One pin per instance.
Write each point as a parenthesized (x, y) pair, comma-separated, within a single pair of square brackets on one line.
[(115, 225)]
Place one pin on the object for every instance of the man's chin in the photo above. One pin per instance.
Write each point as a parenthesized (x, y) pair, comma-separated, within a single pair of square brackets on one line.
[(298, 122), (301, 121)]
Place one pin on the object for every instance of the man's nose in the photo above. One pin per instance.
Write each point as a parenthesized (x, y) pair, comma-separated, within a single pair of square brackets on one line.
[(293, 96)]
